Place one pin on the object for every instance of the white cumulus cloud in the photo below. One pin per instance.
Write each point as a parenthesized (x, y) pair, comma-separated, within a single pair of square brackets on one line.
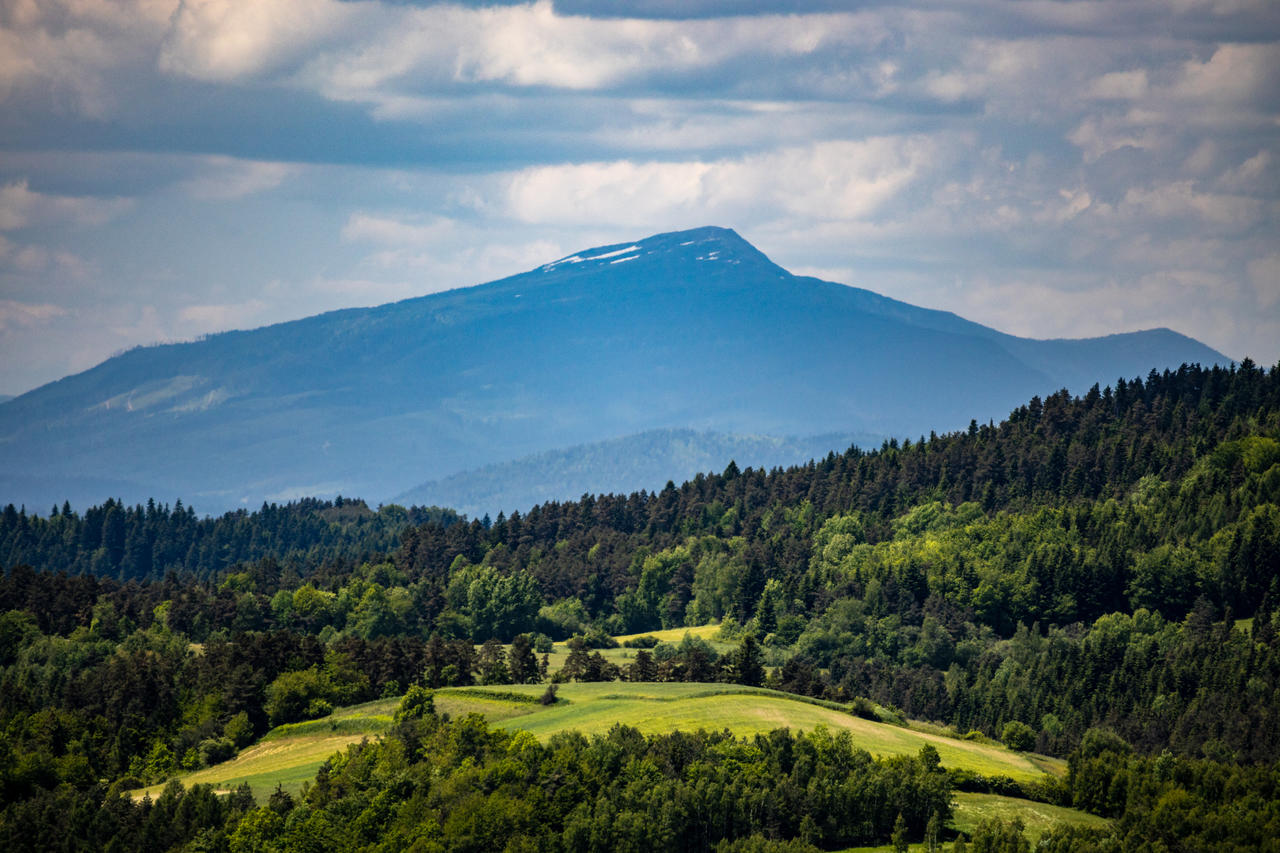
[(839, 179)]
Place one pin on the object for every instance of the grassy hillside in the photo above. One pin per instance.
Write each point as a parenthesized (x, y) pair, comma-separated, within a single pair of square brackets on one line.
[(291, 754), (654, 708), (1038, 818)]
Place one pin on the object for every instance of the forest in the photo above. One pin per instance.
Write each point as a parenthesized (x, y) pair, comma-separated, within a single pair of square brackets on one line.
[(1094, 578)]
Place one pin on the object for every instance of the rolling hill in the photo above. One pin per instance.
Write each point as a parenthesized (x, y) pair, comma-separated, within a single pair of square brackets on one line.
[(693, 330)]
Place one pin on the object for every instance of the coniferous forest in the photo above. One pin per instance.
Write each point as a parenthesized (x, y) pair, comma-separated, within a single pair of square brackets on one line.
[(1094, 578)]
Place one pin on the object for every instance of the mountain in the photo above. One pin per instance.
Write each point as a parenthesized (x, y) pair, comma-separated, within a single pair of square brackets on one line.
[(647, 461), (689, 330)]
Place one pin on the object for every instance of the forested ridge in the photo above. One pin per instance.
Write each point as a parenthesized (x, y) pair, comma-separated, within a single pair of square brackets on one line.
[(1094, 578), (146, 542)]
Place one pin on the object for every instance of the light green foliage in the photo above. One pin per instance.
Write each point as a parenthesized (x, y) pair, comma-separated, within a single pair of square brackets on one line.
[(258, 832), (564, 618), (934, 517), (771, 607), (312, 692), (495, 604), (289, 696), (160, 762), (1166, 578), (418, 702), (997, 835), (718, 573), (214, 751), (834, 542), (899, 837), (1017, 735), (650, 604), (239, 730), (798, 519), (1039, 566)]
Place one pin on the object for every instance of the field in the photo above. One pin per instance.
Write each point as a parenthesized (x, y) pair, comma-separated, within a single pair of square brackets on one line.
[(655, 708), (675, 635), (972, 809), (290, 755)]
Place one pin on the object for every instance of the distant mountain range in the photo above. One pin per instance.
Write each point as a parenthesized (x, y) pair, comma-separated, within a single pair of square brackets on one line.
[(647, 460), (691, 331)]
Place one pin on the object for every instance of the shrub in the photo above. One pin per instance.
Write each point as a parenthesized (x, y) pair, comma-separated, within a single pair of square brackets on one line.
[(216, 750), (1018, 735)]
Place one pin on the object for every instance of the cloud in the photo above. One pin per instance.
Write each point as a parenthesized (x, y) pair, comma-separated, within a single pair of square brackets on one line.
[(1247, 175), (1020, 150), (1040, 304), (38, 259), (386, 230), (226, 179), (223, 40), (1120, 85), (14, 314), (1097, 136), (419, 256), (1235, 73), (1180, 199), (846, 179), (21, 207), (1264, 275), (398, 59), (71, 48), (214, 318)]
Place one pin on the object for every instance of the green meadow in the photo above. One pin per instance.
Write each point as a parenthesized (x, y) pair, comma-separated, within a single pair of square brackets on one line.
[(290, 755), (745, 711), (1037, 818)]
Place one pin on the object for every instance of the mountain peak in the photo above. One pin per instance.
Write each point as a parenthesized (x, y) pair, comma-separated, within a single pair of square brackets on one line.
[(710, 244)]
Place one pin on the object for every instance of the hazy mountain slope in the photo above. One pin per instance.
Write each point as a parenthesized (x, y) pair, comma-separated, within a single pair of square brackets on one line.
[(692, 330), (1075, 363), (620, 466)]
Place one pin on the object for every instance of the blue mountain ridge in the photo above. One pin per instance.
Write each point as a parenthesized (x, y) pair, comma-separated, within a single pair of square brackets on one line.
[(693, 330), (647, 460)]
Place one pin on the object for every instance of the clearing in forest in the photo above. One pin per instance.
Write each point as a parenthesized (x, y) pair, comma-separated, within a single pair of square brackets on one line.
[(290, 755), (594, 708)]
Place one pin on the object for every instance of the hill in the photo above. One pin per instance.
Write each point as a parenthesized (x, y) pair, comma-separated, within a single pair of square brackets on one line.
[(594, 708), (646, 461), (291, 754), (690, 330)]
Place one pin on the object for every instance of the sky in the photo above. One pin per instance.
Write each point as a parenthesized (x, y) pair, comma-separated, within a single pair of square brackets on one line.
[(172, 168)]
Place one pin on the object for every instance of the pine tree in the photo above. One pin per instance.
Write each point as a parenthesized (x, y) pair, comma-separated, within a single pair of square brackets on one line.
[(899, 837)]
